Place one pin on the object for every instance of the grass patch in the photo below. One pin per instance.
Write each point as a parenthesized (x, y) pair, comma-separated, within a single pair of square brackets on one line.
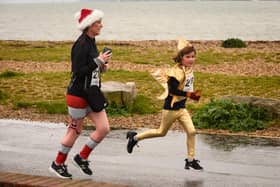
[(143, 105), (44, 88), (212, 57), (44, 51), (3, 96), (141, 55), (60, 51), (273, 57), (51, 107), (46, 91), (41, 90), (225, 114), (35, 51), (217, 85), (36, 87)]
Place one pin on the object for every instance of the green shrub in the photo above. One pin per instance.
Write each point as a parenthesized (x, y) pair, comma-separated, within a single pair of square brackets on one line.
[(225, 114), (114, 110), (7, 74), (233, 43)]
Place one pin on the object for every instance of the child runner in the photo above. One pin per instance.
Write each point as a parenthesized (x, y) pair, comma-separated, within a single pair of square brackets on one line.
[(180, 79)]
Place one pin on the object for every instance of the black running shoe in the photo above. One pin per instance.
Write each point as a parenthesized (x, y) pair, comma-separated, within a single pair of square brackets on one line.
[(82, 164), (60, 171), (131, 142), (193, 164)]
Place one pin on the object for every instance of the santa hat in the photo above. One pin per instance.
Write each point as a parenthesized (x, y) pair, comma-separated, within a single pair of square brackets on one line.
[(182, 43), (86, 17)]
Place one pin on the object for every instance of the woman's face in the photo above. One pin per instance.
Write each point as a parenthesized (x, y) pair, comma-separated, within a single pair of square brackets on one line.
[(188, 59), (96, 27)]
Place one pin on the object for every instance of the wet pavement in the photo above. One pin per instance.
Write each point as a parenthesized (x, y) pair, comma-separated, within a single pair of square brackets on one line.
[(30, 147)]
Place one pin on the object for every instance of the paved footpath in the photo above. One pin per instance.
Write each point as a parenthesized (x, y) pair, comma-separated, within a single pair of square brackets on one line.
[(30, 147)]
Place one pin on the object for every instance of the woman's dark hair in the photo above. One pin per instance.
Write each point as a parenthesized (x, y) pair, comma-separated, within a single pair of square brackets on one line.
[(85, 30), (186, 50)]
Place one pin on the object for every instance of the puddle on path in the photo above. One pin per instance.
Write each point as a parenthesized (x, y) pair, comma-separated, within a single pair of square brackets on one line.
[(228, 143)]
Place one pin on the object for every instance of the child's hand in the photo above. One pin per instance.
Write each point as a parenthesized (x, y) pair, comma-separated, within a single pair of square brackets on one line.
[(194, 95)]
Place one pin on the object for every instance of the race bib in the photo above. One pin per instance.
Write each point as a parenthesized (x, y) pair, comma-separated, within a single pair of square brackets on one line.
[(189, 83), (95, 78)]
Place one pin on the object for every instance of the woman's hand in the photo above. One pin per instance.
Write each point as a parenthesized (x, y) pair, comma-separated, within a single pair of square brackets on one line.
[(105, 56)]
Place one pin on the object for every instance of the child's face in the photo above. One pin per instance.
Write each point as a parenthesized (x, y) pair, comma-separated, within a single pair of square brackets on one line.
[(188, 59)]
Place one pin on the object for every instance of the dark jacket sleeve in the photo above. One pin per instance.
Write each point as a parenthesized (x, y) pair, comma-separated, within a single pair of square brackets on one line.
[(82, 62), (173, 87)]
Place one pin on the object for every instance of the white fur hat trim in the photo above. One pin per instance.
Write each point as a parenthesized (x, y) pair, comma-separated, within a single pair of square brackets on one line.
[(89, 19)]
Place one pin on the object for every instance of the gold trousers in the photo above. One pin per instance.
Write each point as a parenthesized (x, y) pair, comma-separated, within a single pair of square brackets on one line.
[(168, 118)]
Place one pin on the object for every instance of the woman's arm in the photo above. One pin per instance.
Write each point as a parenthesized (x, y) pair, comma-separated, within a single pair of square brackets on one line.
[(82, 64)]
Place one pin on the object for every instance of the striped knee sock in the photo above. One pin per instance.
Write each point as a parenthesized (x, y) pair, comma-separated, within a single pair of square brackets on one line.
[(62, 154), (88, 147)]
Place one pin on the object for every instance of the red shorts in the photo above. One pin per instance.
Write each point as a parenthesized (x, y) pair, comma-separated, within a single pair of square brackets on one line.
[(75, 101)]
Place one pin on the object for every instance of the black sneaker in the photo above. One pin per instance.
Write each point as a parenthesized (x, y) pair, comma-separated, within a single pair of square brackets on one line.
[(193, 164), (82, 164), (60, 171), (131, 142)]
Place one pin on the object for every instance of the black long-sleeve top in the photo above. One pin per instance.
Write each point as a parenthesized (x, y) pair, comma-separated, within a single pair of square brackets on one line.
[(173, 89), (83, 54)]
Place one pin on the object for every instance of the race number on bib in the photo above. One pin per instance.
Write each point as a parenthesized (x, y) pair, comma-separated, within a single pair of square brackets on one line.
[(95, 79), (189, 84)]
